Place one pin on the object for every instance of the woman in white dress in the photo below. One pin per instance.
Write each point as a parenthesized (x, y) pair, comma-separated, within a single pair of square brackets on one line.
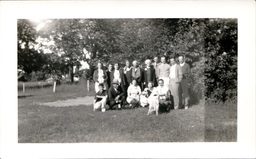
[(144, 98), (160, 96), (133, 93), (99, 76)]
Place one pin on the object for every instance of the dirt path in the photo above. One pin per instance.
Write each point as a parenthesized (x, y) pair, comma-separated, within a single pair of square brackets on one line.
[(88, 100)]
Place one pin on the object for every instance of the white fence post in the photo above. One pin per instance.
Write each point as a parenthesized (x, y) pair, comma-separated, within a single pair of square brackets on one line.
[(23, 86), (54, 86)]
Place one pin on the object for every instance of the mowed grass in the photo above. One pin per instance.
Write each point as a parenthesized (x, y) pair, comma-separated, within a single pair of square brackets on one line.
[(221, 122), (43, 124)]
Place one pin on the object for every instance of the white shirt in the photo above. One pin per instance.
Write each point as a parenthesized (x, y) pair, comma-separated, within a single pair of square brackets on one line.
[(117, 75), (182, 64), (172, 71), (100, 76)]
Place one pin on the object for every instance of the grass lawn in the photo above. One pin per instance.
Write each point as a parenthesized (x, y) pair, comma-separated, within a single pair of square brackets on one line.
[(221, 122), (43, 124)]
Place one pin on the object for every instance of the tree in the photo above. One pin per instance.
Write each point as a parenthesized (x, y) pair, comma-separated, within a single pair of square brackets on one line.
[(68, 40), (29, 59)]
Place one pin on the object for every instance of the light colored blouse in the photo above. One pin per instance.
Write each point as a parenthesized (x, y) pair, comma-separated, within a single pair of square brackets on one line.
[(117, 75), (134, 90), (100, 76), (161, 91)]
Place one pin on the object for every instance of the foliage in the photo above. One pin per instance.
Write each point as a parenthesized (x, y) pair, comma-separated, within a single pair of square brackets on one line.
[(29, 59), (221, 59), (209, 45)]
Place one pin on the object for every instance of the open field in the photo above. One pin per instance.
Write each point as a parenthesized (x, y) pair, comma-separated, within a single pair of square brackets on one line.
[(43, 124)]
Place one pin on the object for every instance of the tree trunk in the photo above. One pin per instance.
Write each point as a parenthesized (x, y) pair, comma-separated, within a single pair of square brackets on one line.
[(71, 74)]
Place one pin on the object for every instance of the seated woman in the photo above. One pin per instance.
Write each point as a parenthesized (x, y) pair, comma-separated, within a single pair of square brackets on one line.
[(100, 99), (133, 93), (144, 98), (163, 95)]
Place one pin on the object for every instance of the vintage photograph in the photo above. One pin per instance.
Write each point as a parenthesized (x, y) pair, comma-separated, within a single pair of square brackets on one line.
[(127, 80)]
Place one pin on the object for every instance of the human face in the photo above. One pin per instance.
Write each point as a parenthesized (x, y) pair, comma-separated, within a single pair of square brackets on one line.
[(115, 86), (134, 82), (116, 66), (163, 60), (100, 88), (181, 59), (172, 61), (99, 65), (135, 64), (150, 85), (148, 64), (156, 59), (161, 83), (110, 67), (127, 63)]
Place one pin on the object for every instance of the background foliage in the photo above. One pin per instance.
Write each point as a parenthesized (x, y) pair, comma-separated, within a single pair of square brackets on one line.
[(209, 45)]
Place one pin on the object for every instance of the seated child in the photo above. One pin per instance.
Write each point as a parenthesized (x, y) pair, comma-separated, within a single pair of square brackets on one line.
[(100, 99)]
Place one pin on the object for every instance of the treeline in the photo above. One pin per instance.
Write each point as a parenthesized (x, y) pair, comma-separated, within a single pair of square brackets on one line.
[(210, 47)]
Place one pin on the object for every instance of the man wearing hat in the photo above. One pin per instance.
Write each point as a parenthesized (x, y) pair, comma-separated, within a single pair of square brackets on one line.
[(116, 96)]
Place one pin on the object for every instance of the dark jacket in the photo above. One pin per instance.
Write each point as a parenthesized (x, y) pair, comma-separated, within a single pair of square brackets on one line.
[(128, 78), (109, 78), (149, 75), (95, 76), (123, 81), (138, 75), (112, 94)]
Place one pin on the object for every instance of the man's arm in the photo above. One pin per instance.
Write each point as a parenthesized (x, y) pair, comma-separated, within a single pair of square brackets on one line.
[(179, 73)]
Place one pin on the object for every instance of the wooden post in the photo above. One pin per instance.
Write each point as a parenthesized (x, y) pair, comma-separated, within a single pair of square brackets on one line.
[(88, 86), (54, 86), (23, 86)]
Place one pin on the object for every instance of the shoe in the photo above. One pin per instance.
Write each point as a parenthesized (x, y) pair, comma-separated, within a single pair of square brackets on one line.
[(103, 110), (186, 107)]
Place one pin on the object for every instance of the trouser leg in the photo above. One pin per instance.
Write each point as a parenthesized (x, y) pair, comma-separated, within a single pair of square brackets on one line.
[(184, 88), (96, 86), (174, 87)]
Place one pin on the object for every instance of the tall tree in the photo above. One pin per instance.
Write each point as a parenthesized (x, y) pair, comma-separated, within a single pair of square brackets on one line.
[(29, 59)]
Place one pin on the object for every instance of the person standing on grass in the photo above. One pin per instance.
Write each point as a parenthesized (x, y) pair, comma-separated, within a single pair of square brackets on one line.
[(175, 79), (99, 76), (100, 99), (108, 73), (184, 82), (127, 73), (155, 65), (133, 93), (116, 98), (118, 75), (136, 73), (149, 74), (163, 70)]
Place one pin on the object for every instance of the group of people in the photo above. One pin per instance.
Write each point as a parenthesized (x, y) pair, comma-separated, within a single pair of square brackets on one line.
[(132, 86)]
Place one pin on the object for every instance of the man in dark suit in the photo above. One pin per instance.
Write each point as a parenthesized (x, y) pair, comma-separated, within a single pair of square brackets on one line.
[(108, 72), (136, 73), (127, 73), (116, 97), (149, 74), (118, 74)]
